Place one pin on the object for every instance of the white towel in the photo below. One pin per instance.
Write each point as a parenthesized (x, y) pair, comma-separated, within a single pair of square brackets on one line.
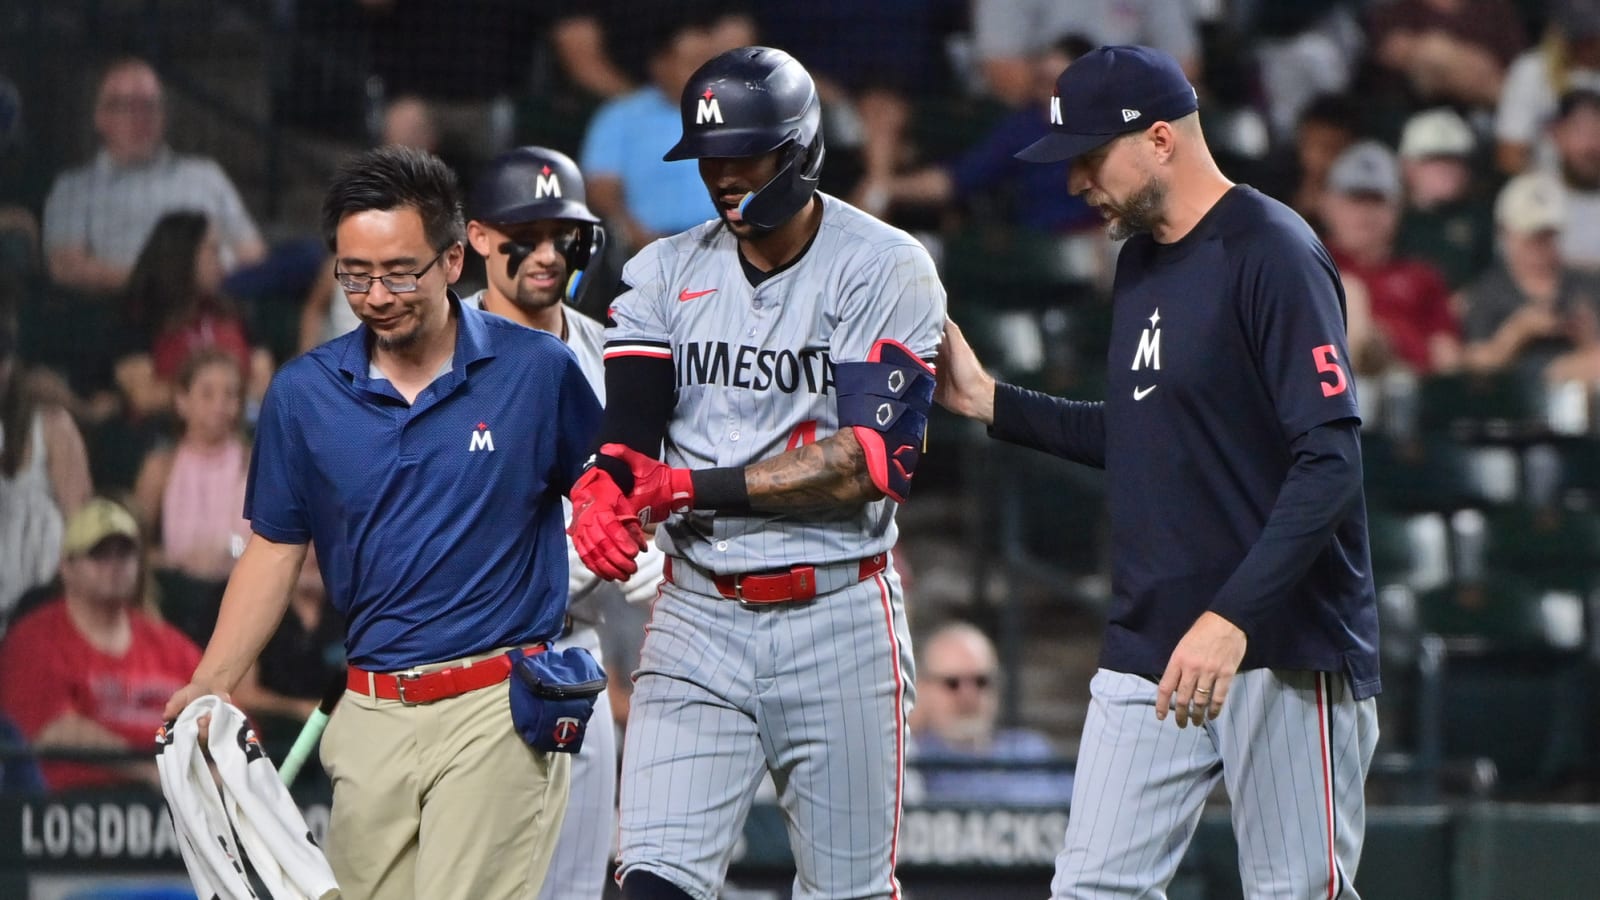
[(205, 839), (253, 804)]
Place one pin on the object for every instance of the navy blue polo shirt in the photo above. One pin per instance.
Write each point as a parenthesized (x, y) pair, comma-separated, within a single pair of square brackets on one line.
[(1226, 346), (439, 524)]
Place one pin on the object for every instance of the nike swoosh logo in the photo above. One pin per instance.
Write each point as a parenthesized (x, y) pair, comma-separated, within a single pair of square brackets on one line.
[(685, 296), (1141, 393)]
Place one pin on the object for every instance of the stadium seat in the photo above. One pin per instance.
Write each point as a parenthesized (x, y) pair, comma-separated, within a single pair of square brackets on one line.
[(1410, 550), (1431, 474), (1514, 681), (1557, 547), (1579, 479), (1474, 407)]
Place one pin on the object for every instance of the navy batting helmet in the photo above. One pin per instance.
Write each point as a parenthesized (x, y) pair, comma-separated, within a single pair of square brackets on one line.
[(751, 101), (531, 184)]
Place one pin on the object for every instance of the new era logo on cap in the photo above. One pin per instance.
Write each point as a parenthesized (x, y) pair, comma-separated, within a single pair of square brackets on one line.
[(1110, 91)]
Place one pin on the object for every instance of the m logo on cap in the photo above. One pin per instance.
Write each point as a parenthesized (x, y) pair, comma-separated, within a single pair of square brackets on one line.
[(1055, 110), (546, 185), (707, 110), (1128, 115)]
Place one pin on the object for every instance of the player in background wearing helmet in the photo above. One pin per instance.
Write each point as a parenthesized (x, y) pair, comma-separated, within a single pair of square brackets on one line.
[(528, 219), (774, 356)]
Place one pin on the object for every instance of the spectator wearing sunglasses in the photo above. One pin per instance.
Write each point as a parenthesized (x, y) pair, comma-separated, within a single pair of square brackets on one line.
[(956, 741), (90, 671)]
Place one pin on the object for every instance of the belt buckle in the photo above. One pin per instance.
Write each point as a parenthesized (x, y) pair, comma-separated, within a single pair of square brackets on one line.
[(738, 594), (400, 679)]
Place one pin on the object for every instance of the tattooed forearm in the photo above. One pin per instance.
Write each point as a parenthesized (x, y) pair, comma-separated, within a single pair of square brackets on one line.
[(828, 474)]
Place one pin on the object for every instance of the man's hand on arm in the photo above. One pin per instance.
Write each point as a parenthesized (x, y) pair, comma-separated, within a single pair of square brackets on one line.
[(963, 386), (658, 489)]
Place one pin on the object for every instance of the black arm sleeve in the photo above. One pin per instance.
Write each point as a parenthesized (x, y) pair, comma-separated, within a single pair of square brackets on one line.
[(1323, 485), (640, 396), (1071, 429)]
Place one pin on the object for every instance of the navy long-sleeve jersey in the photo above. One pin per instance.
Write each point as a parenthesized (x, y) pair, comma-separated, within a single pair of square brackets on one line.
[(1230, 442)]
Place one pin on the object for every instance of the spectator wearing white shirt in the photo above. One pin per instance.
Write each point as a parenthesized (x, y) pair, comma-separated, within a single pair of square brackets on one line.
[(98, 216), (1567, 58)]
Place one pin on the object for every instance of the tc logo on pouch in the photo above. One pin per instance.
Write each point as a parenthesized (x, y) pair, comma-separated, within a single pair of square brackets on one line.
[(566, 731)]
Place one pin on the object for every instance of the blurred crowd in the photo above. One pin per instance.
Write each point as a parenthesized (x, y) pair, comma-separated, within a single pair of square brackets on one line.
[(1448, 151)]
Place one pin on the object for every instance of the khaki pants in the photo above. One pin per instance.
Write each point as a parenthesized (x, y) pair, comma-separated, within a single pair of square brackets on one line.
[(441, 801)]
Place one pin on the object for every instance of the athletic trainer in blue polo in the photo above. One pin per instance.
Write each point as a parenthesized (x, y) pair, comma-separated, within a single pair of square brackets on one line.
[(426, 455)]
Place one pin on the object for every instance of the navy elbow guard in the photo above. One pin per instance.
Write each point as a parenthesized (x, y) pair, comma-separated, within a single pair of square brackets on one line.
[(886, 401)]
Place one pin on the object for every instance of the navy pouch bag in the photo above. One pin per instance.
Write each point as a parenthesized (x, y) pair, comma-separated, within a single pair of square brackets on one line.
[(552, 697)]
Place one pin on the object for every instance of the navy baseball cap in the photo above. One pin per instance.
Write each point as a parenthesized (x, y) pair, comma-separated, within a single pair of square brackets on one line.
[(1110, 91)]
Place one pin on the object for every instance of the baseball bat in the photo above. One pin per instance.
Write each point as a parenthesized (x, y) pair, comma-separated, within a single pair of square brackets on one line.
[(311, 731)]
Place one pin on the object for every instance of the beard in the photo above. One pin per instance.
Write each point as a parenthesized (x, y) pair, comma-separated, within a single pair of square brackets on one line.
[(399, 341), (533, 300), (395, 342), (1140, 212)]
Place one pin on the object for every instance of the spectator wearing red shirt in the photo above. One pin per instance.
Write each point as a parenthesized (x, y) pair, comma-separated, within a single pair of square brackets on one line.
[(1413, 325), (173, 307), (90, 670), (1453, 51)]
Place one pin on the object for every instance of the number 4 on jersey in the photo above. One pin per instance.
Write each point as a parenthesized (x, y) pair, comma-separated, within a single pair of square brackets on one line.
[(1327, 359), (803, 434)]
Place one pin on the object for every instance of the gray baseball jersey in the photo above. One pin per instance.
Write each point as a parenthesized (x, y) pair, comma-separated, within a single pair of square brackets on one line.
[(815, 693), (754, 367)]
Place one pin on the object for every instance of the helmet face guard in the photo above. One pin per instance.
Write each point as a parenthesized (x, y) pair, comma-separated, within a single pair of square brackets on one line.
[(748, 102), (533, 184), (789, 190)]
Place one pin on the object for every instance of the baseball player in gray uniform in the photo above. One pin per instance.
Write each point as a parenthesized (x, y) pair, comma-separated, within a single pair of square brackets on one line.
[(529, 221), (778, 352)]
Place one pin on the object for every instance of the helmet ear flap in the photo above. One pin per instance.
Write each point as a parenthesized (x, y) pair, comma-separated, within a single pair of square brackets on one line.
[(589, 248), (811, 161)]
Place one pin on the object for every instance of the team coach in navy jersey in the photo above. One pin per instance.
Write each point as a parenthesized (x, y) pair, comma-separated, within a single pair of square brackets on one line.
[(426, 454), (1243, 602)]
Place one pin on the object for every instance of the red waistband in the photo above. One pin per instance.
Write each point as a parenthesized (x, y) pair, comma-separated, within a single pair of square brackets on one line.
[(797, 584), (439, 684)]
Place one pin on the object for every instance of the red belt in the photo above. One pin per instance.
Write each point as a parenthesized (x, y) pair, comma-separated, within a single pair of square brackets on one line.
[(439, 684), (797, 584)]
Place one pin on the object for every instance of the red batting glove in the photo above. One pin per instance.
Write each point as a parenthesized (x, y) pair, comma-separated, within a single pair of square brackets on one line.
[(658, 489), (605, 531)]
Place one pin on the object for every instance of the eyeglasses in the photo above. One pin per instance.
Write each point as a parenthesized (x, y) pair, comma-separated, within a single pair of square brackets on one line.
[(394, 282), (981, 681)]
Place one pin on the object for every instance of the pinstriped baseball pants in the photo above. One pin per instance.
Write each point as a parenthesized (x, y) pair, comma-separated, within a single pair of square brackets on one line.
[(815, 693), (1292, 749)]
